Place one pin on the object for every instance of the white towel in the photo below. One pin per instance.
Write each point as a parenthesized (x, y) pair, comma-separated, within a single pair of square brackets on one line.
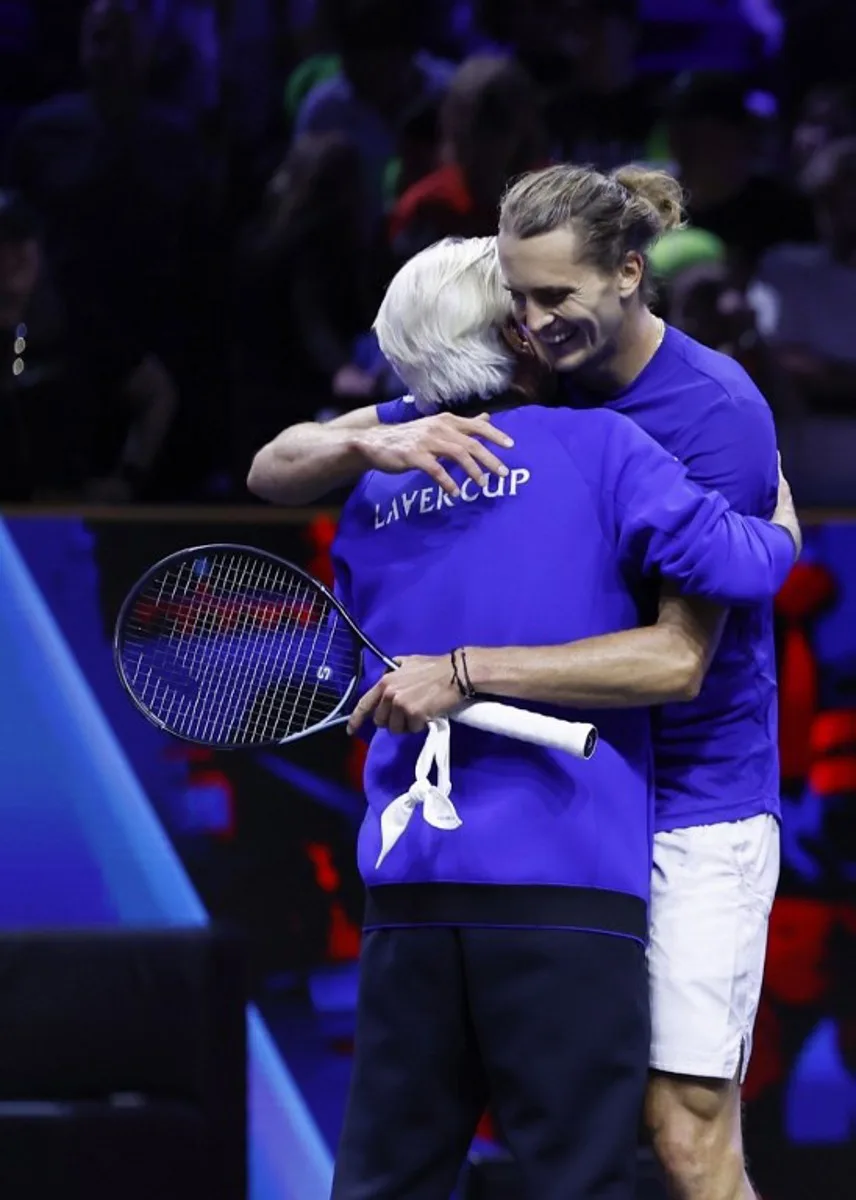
[(437, 809)]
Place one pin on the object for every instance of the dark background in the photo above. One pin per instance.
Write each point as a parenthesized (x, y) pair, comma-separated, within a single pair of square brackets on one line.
[(200, 204)]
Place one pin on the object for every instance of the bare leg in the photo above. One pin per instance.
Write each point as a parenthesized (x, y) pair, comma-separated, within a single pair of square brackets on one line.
[(695, 1126)]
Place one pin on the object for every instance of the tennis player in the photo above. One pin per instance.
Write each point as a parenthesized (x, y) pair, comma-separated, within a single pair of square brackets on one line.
[(572, 246), (473, 934), (717, 769)]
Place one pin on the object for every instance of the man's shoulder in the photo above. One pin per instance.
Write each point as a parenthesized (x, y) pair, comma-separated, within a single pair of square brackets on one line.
[(718, 379), (398, 411), (718, 423), (575, 428), (583, 433)]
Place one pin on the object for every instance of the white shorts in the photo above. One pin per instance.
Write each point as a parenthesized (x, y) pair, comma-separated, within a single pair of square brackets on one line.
[(712, 890)]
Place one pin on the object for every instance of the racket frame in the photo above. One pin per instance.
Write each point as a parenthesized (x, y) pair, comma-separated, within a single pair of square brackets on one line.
[(337, 717)]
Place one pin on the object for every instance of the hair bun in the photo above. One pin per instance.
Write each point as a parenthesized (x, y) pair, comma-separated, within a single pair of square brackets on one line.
[(657, 188)]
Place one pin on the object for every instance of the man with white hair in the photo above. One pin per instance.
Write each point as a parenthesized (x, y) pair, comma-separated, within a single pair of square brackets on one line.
[(442, 322), (503, 959), (309, 460)]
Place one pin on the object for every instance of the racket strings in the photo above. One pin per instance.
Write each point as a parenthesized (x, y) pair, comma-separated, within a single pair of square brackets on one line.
[(232, 648)]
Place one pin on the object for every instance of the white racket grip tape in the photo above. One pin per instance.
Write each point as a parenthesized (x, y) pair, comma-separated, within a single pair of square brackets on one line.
[(574, 737)]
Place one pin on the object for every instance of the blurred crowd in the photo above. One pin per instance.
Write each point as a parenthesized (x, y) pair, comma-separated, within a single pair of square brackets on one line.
[(201, 202)]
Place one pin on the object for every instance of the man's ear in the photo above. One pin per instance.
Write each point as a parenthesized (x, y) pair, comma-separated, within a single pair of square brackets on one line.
[(630, 274), (515, 337), (532, 371), (519, 340)]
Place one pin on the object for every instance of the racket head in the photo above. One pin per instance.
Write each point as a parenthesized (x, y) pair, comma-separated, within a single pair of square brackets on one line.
[(229, 646)]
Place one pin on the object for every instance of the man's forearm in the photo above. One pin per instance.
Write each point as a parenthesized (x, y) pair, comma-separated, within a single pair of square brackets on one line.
[(307, 461), (636, 668)]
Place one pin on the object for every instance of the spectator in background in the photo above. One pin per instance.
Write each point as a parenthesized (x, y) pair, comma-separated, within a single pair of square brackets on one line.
[(38, 423), (491, 130), (607, 113), (52, 444), (806, 294), (713, 138), (188, 72), (709, 304), (582, 54), (805, 300), (18, 57), (818, 43), (536, 34), (304, 293), (384, 83), (116, 180), (827, 113), (698, 293)]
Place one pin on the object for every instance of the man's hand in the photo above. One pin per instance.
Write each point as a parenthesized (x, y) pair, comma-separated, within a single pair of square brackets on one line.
[(404, 701), (421, 445), (785, 513)]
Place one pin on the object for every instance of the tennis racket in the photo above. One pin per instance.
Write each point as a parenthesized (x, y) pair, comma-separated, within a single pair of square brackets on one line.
[(229, 646)]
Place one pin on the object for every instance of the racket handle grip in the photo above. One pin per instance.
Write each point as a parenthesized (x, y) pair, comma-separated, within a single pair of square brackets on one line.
[(574, 737)]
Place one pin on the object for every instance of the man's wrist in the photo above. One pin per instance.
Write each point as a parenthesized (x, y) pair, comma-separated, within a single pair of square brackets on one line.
[(357, 448), (480, 669)]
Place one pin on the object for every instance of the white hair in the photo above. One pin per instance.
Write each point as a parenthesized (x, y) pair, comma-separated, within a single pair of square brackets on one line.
[(438, 325)]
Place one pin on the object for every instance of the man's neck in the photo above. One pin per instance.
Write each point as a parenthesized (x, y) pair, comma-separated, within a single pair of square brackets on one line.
[(638, 342)]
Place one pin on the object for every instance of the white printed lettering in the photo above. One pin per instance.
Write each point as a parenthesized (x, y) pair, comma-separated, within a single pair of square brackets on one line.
[(433, 499), (518, 476)]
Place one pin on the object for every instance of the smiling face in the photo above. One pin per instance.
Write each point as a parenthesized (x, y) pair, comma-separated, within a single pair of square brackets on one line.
[(574, 310)]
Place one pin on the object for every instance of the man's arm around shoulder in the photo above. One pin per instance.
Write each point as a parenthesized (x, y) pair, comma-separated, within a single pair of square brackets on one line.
[(635, 668), (306, 462)]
